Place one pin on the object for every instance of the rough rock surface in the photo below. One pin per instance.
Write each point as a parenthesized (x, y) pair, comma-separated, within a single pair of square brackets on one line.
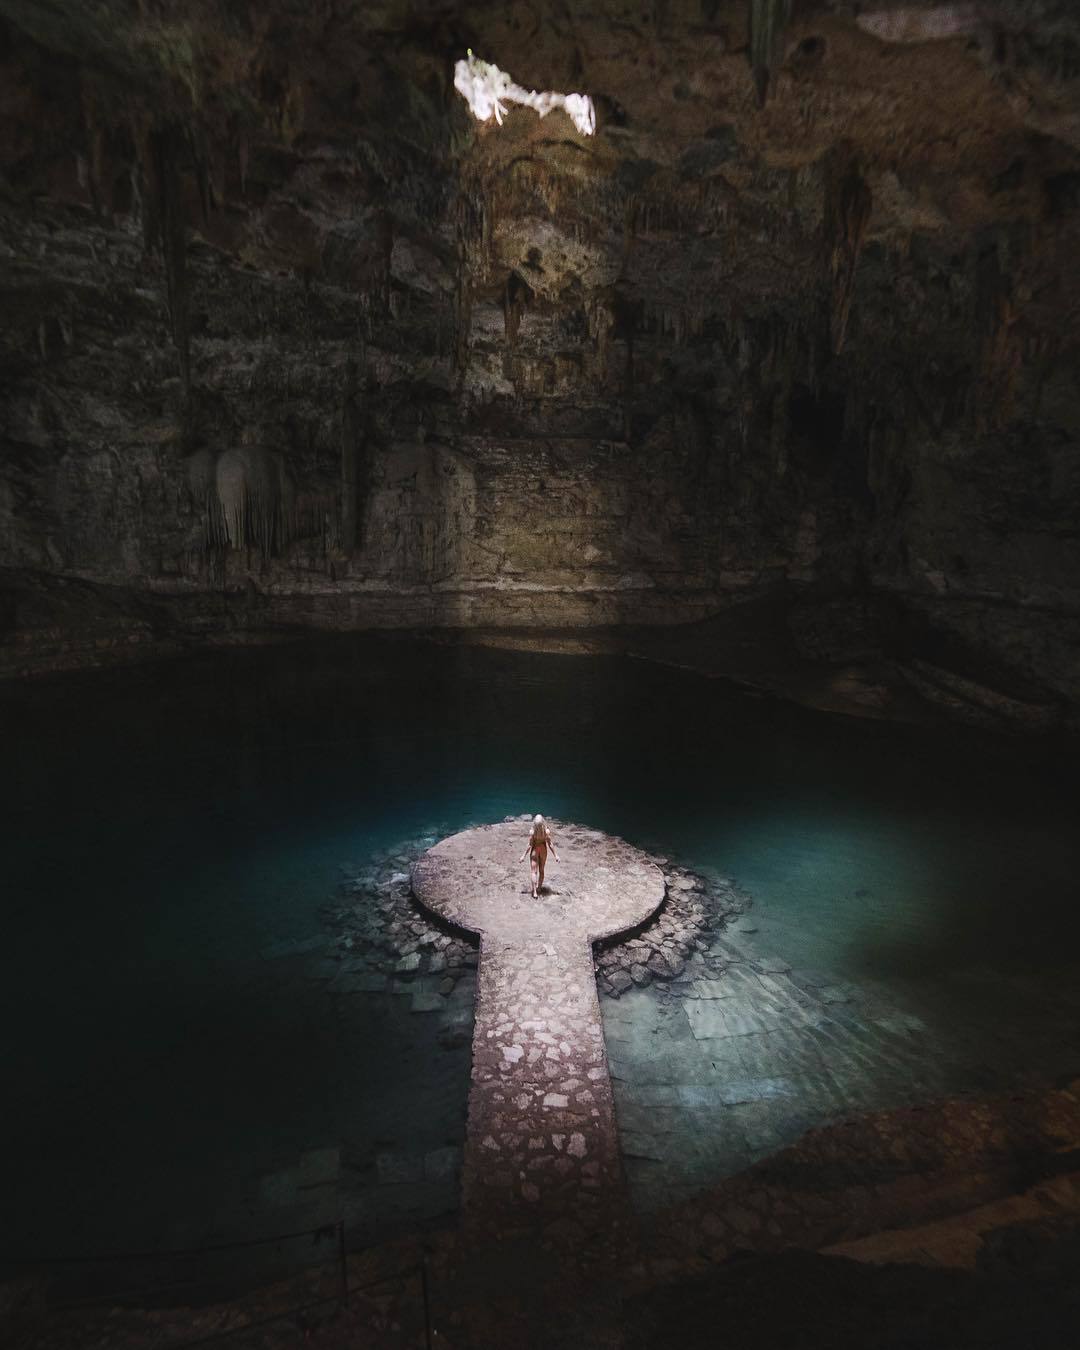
[(289, 340), (541, 1149), (883, 1170)]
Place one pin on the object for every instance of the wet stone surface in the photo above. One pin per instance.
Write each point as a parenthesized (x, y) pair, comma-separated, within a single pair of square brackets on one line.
[(541, 1146), (380, 940), (381, 955)]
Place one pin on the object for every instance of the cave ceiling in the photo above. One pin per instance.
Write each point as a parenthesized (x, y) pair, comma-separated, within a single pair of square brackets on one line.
[(747, 161)]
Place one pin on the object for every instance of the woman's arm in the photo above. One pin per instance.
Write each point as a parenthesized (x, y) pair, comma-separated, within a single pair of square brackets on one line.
[(551, 845)]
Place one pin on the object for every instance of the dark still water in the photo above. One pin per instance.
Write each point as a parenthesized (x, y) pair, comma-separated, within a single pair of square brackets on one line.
[(169, 829)]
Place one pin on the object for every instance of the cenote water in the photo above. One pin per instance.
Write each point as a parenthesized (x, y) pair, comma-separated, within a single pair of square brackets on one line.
[(167, 1084)]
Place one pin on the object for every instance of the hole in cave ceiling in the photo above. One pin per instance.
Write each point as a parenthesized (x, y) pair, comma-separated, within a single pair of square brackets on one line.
[(487, 90)]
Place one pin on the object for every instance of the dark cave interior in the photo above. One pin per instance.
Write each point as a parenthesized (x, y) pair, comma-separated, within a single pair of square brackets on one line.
[(737, 432)]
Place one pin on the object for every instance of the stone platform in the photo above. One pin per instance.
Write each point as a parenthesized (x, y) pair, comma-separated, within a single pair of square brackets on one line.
[(541, 1147)]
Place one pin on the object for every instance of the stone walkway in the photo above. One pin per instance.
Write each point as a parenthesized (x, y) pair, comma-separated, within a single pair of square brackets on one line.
[(541, 1148), (723, 1042)]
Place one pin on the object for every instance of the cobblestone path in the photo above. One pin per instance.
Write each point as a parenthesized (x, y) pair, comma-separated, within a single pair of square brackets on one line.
[(541, 1148)]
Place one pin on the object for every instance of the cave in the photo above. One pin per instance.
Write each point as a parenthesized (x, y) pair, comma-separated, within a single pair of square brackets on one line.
[(659, 415)]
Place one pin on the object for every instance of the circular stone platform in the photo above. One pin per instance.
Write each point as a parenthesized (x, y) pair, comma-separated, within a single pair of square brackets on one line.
[(541, 1146), (601, 886)]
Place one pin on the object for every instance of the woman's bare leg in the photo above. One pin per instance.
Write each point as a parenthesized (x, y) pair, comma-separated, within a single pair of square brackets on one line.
[(541, 867), (535, 870)]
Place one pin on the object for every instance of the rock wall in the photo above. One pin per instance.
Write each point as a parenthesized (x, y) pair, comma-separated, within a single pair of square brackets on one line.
[(289, 338)]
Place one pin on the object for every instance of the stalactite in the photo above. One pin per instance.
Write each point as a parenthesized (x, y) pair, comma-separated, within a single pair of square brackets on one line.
[(351, 420), (203, 495), (240, 496), (768, 21), (462, 322), (628, 315), (1043, 354), (385, 228), (848, 203), (997, 359), (600, 321), (200, 158), (254, 522), (96, 142), (517, 296), (628, 390), (472, 232), (785, 343), (163, 225)]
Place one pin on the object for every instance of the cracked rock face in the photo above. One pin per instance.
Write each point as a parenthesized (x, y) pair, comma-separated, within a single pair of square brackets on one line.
[(290, 338)]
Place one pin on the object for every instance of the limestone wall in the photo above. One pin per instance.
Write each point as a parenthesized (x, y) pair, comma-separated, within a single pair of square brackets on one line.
[(294, 348)]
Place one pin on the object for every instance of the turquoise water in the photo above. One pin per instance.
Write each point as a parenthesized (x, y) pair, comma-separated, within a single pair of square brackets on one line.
[(166, 825)]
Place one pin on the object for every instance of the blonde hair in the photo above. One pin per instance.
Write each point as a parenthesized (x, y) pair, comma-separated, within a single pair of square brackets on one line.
[(540, 829)]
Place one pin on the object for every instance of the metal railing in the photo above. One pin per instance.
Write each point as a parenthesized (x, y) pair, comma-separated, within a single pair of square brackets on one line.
[(335, 1230)]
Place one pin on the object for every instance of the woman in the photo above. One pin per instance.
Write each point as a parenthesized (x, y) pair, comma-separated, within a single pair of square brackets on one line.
[(540, 841)]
